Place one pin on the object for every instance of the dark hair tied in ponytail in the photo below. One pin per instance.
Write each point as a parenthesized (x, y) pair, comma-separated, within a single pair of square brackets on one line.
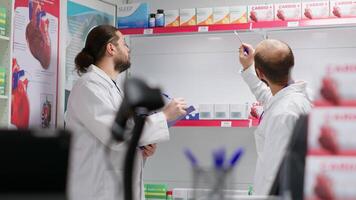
[(94, 49), (83, 60)]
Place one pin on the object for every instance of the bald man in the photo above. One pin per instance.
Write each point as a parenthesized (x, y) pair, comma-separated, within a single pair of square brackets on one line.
[(267, 72)]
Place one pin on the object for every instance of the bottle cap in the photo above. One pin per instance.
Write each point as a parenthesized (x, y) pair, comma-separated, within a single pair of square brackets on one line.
[(160, 11), (152, 15)]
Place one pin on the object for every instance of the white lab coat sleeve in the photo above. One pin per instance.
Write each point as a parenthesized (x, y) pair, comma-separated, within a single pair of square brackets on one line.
[(155, 130), (257, 87), (276, 141), (95, 111)]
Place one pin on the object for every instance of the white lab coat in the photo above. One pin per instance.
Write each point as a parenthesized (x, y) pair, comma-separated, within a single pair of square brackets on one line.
[(281, 112), (92, 107)]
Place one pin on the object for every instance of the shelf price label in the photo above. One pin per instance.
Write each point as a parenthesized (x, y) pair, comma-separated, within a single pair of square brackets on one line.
[(293, 24), (148, 31), (226, 124), (203, 29)]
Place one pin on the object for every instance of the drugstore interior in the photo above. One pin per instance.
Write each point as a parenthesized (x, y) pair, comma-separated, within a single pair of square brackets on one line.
[(189, 49)]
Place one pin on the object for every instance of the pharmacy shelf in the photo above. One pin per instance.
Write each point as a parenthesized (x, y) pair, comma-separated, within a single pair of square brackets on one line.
[(246, 123), (3, 97), (345, 103), (296, 24), (4, 38)]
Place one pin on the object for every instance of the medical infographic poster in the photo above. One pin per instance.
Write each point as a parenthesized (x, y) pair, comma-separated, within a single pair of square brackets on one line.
[(35, 63), (82, 16)]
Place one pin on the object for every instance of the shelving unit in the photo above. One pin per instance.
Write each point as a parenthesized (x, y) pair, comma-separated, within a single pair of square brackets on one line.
[(323, 103), (6, 62), (316, 23), (215, 123), (260, 27)]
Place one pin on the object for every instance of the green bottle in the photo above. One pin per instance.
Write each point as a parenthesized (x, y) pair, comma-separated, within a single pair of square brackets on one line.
[(250, 190)]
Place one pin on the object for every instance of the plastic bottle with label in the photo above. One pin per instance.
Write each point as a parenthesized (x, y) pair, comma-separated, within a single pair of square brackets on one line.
[(160, 18), (152, 21)]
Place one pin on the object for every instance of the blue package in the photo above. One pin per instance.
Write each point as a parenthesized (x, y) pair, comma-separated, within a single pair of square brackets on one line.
[(192, 116), (189, 110), (133, 15)]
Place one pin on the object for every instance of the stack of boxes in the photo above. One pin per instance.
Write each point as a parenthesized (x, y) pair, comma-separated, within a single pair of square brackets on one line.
[(224, 111), (3, 21), (155, 191)]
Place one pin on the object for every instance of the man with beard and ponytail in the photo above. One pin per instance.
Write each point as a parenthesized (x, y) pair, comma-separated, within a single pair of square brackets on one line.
[(92, 107)]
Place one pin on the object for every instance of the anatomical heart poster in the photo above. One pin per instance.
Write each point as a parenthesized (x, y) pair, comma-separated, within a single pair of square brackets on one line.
[(35, 63), (82, 16)]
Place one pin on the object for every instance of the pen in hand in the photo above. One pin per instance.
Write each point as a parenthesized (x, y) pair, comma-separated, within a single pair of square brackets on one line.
[(245, 48)]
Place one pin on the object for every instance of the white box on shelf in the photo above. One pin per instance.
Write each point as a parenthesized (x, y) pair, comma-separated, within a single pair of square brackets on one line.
[(288, 11), (315, 10), (331, 130), (340, 8), (204, 16), (171, 18), (187, 17), (337, 82), (257, 13), (221, 15), (221, 111), (134, 15), (206, 111), (238, 14), (239, 111), (330, 177)]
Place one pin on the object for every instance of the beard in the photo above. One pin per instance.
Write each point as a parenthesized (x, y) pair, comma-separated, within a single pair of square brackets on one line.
[(122, 65)]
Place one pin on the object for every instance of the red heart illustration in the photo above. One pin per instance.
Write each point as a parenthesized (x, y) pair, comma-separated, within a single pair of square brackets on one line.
[(336, 11), (253, 16), (37, 35), (323, 188), (20, 105), (308, 13), (280, 14), (329, 90), (328, 139)]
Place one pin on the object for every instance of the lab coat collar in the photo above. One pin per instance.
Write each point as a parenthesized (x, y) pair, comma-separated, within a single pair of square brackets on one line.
[(296, 87), (102, 74)]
